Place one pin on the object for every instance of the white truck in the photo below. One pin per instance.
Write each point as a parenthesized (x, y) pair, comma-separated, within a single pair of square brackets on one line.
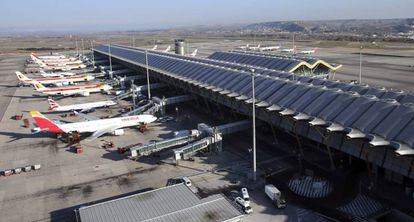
[(244, 205), (275, 195)]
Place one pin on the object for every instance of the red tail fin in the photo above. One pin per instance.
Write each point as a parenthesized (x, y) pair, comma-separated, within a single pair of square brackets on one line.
[(45, 124)]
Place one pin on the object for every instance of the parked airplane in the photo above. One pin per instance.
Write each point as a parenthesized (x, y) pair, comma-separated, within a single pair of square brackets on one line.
[(96, 126), (155, 47), (55, 74), (244, 47), (269, 48), (194, 53), (255, 48), (68, 91), (82, 107), (61, 67), (52, 56), (55, 61), (167, 49), (288, 50), (57, 81), (308, 52)]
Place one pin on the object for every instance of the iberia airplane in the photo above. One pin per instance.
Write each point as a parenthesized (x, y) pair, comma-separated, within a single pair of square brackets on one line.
[(57, 81), (58, 66), (96, 126), (82, 107), (75, 90)]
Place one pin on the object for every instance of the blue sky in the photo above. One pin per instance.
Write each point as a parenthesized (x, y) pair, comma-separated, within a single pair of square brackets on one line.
[(129, 14)]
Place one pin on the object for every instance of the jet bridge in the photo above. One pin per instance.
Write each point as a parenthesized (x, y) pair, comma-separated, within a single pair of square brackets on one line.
[(194, 140), (156, 104)]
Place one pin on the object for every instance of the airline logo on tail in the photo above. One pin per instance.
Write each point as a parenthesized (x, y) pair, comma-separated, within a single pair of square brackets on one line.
[(38, 86), (44, 123), (52, 104), (22, 77)]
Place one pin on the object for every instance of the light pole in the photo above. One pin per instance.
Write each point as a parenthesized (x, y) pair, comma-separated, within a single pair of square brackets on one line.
[(254, 126), (110, 61), (77, 50), (93, 54), (360, 65), (148, 81)]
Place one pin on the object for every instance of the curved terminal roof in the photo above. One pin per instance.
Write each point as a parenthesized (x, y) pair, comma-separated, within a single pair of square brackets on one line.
[(376, 115), (277, 62)]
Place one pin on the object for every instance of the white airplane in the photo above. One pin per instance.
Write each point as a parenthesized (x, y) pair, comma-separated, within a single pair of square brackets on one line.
[(308, 52), (57, 81), (59, 63), (61, 67), (94, 125), (288, 50), (55, 61), (194, 53), (255, 48), (269, 48), (52, 56), (167, 49), (244, 47), (55, 74), (69, 91), (155, 47), (82, 107)]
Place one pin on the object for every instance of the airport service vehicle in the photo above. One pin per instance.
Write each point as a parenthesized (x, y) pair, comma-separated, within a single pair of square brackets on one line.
[(275, 195), (69, 91), (308, 52), (94, 125), (245, 195), (57, 81), (187, 181), (244, 205), (82, 107)]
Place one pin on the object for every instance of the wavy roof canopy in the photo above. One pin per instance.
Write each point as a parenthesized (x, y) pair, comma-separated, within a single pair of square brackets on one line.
[(277, 62)]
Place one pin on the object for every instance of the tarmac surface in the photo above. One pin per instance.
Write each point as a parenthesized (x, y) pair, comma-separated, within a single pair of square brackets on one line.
[(67, 180), (389, 68), (8, 82)]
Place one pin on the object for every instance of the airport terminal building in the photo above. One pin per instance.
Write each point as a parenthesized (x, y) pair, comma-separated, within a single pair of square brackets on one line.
[(360, 125)]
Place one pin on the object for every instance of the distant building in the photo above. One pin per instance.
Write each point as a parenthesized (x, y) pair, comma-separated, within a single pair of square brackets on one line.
[(171, 203)]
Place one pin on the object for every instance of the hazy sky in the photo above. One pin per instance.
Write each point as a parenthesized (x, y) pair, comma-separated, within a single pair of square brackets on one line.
[(136, 14)]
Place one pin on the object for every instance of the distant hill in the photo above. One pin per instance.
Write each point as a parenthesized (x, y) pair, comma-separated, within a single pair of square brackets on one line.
[(371, 26)]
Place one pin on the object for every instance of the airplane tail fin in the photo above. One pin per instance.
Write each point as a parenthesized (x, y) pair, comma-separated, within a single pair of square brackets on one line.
[(52, 104), (22, 77), (167, 49), (194, 52), (33, 56), (44, 123), (38, 86)]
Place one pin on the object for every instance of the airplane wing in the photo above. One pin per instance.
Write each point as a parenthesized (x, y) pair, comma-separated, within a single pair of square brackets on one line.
[(85, 110), (87, 117), (101, 132)]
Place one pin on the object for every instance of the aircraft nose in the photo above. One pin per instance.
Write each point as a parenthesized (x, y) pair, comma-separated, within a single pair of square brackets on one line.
[(154, 118)]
